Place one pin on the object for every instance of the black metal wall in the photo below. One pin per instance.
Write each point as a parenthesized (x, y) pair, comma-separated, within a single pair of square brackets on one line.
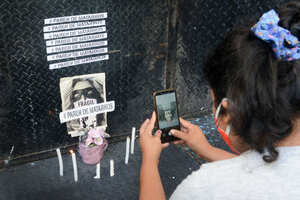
[(30, 97), (152, 45), (201, 26)]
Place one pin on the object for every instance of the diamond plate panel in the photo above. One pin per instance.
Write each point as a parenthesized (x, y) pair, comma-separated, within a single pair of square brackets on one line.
[(30, 100), (201, 26), (138, 43)]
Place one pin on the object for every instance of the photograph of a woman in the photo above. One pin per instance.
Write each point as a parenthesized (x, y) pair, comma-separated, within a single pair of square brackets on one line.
[(82, 91)]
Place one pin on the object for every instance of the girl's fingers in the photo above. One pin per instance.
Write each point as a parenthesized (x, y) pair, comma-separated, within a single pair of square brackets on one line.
[(144, 125), (158, 134), (179, 134), (186, 124), (179, 142), (150, 126), (164, 145), (183, 129)]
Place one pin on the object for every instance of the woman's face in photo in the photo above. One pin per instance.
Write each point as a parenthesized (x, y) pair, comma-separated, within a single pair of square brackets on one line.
[(168, 115), (84, 90)]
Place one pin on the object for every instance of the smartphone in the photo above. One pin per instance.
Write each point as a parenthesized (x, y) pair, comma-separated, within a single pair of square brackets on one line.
[(167, 116)]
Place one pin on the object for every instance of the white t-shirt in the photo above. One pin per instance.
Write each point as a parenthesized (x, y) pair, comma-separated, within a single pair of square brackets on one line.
[(245, 177)]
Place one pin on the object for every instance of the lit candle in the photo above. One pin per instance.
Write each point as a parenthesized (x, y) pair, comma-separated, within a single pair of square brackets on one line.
[(132, 140), (61, 166), (112, 168), (127, 150), (74, 165), (97, 171)]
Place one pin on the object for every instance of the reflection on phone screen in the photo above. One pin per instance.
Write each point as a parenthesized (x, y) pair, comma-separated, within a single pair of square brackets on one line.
[(167, 110)]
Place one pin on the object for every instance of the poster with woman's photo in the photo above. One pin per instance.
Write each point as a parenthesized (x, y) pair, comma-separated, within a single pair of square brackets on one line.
[(83, 90)]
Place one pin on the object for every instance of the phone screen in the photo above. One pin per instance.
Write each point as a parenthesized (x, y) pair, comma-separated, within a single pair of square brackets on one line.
[(166, 110)]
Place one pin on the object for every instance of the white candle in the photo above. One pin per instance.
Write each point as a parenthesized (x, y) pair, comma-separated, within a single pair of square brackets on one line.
[(61, 166), (132, 140), (97, 171), (112, 168), (127, 150), (74, 165)]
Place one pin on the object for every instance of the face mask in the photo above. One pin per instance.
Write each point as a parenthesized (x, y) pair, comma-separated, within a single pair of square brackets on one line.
[(224, 134)]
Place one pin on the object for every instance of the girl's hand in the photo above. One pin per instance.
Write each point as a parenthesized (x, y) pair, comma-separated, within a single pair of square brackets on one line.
[(151, 145), (193, 136)]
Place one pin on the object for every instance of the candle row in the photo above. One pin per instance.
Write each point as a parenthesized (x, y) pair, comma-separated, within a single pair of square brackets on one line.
[(112, 173), (112, 169)]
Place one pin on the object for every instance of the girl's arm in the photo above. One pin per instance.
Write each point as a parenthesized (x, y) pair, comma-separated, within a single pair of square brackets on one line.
[(150, 183), (194, 137)]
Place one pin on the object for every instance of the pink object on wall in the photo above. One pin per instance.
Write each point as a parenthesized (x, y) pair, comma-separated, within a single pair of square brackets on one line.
[(92, 155)]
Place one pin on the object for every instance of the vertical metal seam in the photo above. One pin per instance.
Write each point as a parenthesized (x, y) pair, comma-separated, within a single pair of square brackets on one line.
[(169, 75)]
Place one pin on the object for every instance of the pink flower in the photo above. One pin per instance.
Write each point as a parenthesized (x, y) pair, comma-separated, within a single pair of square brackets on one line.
[(95, 136), (88, 141), (94, 133), (98, 141)]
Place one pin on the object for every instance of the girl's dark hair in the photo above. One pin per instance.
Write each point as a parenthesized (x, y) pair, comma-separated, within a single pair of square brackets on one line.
[(264, 91)]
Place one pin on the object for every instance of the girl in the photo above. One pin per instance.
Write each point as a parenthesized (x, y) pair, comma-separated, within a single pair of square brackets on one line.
[(254, 76)]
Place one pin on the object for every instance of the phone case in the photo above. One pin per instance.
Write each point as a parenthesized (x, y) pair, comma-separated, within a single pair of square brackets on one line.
[(166, 136)]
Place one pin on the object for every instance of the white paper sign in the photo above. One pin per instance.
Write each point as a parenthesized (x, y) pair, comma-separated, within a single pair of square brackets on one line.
[(78, 62), (78, 32), (86, 24), (75, 18), (77, 54), (76, 46), (76, 39), (86, 111)]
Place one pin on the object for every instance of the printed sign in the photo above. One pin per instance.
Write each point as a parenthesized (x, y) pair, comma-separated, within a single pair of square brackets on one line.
[(77, 54), (76, 46), (73, 25), (86, 111), (75, 18), (76, 39), (78, 62), (75, 36), (80, 92), (62, 34)]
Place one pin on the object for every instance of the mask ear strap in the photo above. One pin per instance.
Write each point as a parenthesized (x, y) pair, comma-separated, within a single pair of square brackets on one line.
[(228, 129), (219, 108)]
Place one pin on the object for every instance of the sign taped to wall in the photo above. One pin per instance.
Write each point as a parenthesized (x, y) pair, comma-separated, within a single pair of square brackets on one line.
[(62, 34), (76, 39), (78, 62), (66, 36), (73, 25), (76, 46), (81, 92), (77, 54), (75, 18), (86, 111)]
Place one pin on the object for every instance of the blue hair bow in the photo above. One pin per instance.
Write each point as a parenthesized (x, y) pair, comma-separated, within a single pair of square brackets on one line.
[(284, 44)]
